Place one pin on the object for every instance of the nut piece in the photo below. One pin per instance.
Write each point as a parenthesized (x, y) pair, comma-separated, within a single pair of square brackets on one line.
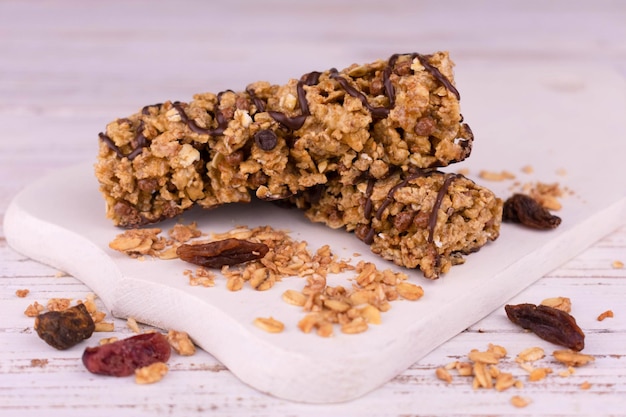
[(561, 303), (269, 324), (181, 343), (606, 314), (151, 373)]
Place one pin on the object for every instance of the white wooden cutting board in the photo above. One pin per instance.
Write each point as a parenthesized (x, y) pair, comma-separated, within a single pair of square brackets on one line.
[(567, 123)]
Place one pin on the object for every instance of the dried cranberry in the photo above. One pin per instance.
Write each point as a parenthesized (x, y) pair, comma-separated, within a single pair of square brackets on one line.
[(121, 358)]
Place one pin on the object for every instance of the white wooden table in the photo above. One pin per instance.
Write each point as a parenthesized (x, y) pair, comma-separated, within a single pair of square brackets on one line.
[(69, 67)]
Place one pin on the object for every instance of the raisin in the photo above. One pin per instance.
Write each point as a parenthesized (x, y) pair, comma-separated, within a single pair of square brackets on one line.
[(64, 329), (549, 323), (525, 210), (222, 252), (121, 358), (265, 139)]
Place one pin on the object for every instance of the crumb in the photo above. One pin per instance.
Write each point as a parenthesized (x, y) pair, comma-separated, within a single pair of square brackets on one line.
[(606, 314), (496, 176), (519, 402), (561, 172), (132, 325), (22, 293), (527, 169), (585, 385), (38, 363), (617, 264)]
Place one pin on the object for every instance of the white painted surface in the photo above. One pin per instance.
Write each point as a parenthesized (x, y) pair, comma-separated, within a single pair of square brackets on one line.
[(67, 68)]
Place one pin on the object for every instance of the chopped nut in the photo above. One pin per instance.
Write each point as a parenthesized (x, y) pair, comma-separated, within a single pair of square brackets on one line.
[(270, 324), (571, 358), (58, 304), (151, 373), (34, 309), (22, 293), (561, 303), (604, 315), (464, 368), (181, 343)]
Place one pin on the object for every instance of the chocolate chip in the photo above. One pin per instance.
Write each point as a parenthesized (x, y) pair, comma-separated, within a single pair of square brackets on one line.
[(265, 139)]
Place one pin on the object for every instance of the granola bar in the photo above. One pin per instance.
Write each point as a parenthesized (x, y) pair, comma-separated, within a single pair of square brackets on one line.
[(275, 141), (423, 219)]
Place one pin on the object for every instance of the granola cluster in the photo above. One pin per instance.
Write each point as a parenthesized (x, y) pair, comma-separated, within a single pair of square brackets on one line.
[(365, 128)]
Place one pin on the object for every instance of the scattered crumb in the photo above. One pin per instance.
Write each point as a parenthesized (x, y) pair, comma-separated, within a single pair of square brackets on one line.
[(617, 264), (60, 274), (34, 309), (585, 385), (528, 169), (107, 340), (104, 327), (443, 375), (605, 315), (464, 171), (38, 363), (561, 172), (22, 293), (519, 402), (496, 176), (132, 325)]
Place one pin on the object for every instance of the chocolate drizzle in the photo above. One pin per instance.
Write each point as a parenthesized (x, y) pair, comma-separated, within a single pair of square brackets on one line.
[(432, 219), (222, 122), (139, 142), (377, 112), (296, 122), (292, 123)]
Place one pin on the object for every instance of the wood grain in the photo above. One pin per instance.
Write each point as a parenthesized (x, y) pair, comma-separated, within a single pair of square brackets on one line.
[(68, 67)]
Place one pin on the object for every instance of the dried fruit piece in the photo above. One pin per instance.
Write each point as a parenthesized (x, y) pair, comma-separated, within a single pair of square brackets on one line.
[(121, 358), (523, 209), (222, 252), (64, 329), (551, 324)]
